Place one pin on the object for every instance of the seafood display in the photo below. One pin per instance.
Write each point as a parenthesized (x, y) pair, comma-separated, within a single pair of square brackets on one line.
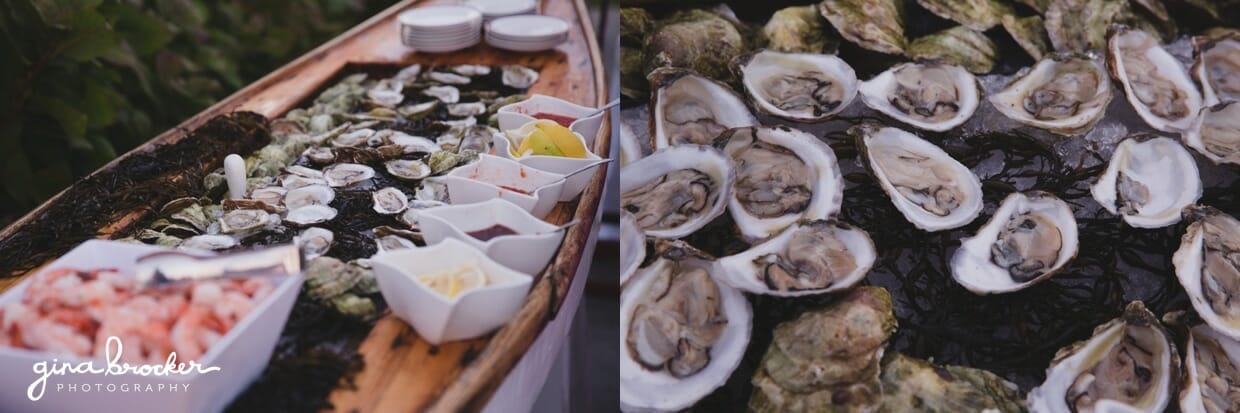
[(857, 149), (73, 312)]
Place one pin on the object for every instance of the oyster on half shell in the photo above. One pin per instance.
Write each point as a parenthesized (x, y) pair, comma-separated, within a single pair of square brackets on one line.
[(812, 257), (690, 109), (932, 190), (1216, 67), (1148, 182), (1030, 238), (682, 332), (1157, 86), (1216, 133), (783, 175), (1211, 381), (929, 96), (632, 247), (677, 190), (799, 87), (1128, 365), (1207, 265), (1063, 94)]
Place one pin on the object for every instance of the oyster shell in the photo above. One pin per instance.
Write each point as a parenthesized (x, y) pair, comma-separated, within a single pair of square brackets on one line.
[(797, 86), (1030, 238), (698, 40), (783, 175), (406, 169), (689, 109), (1148, 182), (447, 78), (1064, 94), (928, 96), (1029, 32), (1080, 26), (812, 257), (978, 15), (390, 201), (1216, 67), (272, 195), (876, 25), (314, 242), (915, 385), (519, 77), (1128, 365), (244, 220), (1211, 382), (445, 94), (932, 190), (827, 359), (682, 333), (1155, 83), (799, 29), (345, 174), (632, 246), (956, 46), (1216, 133), (678, 190), (206, 242), (310, 214), (309, 195), (1207, 265)]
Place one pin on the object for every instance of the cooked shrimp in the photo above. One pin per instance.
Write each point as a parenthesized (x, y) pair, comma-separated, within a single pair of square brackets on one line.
[(232, 307), (194, 332), (49, 335), (257, 288)]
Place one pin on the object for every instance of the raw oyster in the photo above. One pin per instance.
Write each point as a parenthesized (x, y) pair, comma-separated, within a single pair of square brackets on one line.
[(928, 96), (797, 86), (352, 138), (314, 242), (1030, 238), (272, 195), (244, 220), (678, 190), (1128, 365), (783, 175), (390, 201), (690, 109), (799, 29), (406, 169), (1216, 67), (517, 76), (876, 25), (978, 15), (1064, 94), (827, 360), (345, 174), (204, 242), (957, 46), (932, 190), (291, 182), (1028, 32), (1207, 264), (915, 385), (697, 40), (309, 195), (1216, 133), (632, 246), (1148, 182), (682, 333), (812, 257), (1211, 381), (445, 94), (467, 109), (447, 78), (310, 214), (1155, 83)]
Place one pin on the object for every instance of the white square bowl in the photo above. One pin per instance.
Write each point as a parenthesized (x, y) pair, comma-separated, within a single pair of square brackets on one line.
[(482, 179), (528, 251), (582, 169), (241, 354), (517, 114), (439, 319)]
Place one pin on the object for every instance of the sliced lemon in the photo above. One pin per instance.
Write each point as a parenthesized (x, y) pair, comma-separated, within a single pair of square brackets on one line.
[(453, 282), (564, 139)]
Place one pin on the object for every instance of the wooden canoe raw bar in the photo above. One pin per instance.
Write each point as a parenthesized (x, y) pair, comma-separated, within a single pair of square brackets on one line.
[(403, 372)]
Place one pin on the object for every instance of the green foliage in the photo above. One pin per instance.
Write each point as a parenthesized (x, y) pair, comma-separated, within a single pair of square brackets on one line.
[(84, 80)]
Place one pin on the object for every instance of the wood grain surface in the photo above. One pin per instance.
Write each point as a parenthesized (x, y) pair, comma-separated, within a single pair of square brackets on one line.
[(403, 372)]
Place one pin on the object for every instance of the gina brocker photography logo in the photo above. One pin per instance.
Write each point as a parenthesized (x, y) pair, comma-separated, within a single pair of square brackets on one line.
[(45, 371)]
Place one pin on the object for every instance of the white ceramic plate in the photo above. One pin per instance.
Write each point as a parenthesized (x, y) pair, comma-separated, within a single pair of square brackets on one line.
[(501, 8), (528, 27), (439, 17)]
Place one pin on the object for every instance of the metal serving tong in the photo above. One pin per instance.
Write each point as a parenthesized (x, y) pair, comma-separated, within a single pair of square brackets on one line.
[(173, 267)]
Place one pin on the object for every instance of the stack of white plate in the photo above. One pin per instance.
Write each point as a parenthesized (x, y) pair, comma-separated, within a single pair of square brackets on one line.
[(494, 9), (529, 33), (438, 29)]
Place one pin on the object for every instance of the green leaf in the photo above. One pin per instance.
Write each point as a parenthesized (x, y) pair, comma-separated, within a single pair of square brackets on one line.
[(61, 13), (104, 151), (182, 13), (71, 120), (92, 37), (97, 104), (143, 32)]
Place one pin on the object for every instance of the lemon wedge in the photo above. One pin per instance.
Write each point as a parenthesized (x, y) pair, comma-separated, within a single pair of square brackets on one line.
[(545, 137), (453, 282)]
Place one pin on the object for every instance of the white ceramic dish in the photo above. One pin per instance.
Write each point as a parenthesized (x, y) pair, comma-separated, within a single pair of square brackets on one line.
[(523, 47), (528, 28), (528, 251), (573, 185), (517, 114), (482, 179), (439, 319), (439, 17), (241, 354), (492, 9)]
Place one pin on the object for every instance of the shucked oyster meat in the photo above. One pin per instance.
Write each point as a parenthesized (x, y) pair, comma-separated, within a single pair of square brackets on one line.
[(1217, 67), (690, 109), (1211, 372), (928, 96), (1216, 133), (1063, 94), (797, 86), (783, 175), (1128, 365), (677, 190), (932, 190), (1031, 237), (811, 257), (1148, 182), (1156, 84), (1207, 265), (681, 332)]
